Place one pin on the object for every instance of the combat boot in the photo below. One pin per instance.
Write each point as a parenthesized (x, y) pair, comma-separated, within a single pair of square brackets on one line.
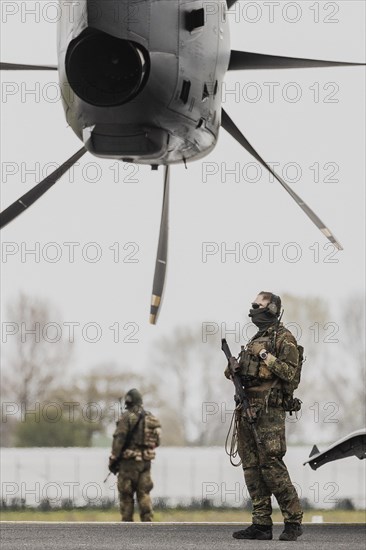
[(255, 531), (291, 531)]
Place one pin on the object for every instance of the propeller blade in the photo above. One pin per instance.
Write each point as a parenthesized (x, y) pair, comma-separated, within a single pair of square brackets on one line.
[(249, 60), (18, 67), (34, 194), (234, 131), (161, 258)]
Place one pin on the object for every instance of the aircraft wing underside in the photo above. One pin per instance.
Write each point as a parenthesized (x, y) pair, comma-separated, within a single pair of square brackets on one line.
[(353, 444)]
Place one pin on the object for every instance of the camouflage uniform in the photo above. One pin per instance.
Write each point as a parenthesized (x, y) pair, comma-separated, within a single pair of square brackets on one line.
[(264, 470), (135, 465)]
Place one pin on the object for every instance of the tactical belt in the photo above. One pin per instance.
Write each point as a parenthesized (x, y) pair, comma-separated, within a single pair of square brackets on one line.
[(270, 393), (262, 389), (257, 394)]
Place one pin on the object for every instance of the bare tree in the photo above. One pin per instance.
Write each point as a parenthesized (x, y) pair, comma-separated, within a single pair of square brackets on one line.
[(190, 377), (96, 398), (346, 385), (37, 351), (306, 318)]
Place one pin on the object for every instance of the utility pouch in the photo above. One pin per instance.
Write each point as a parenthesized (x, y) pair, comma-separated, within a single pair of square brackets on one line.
[(152, 429), (131, 454), (275, 398), (249, 365)]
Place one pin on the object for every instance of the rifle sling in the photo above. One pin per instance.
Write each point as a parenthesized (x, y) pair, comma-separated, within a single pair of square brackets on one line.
[(130, 436)]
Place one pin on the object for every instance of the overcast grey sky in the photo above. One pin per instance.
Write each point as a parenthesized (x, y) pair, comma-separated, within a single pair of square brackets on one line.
[(313, 126)]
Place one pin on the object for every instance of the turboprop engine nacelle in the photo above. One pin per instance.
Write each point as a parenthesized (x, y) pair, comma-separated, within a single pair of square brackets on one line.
[(141, 79), (105, 71)]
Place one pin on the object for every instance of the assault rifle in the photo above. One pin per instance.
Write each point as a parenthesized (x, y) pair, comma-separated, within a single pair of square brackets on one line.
[(240, 396)]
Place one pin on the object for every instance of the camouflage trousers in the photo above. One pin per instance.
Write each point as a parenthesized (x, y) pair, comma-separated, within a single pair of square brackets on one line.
[(265, 472), (134, 477)]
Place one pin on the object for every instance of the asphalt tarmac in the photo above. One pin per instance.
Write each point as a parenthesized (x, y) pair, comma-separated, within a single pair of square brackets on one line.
[(182, 536)]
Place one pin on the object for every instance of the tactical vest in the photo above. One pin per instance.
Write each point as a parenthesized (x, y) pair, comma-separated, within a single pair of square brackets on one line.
[(253, 369)]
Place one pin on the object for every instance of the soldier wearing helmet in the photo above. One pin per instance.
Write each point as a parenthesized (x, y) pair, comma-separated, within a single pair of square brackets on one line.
[(269, 368), (136, 436)]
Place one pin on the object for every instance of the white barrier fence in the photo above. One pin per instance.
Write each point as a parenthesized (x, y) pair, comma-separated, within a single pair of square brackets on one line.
[(180, 475)]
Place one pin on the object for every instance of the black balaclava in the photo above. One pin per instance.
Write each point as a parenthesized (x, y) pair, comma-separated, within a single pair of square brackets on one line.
[(262, 317)]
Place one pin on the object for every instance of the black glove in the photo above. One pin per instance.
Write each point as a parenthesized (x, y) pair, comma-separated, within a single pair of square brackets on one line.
[(236, 368), (113, 465)]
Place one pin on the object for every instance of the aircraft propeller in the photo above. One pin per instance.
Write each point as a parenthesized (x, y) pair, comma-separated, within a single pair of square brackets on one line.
[(36, 192), (19, 67), (234, 131), (239, 60), (249, 61), (161, 257)]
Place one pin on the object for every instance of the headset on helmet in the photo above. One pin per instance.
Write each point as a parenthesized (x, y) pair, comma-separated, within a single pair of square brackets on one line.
[(274, 305)]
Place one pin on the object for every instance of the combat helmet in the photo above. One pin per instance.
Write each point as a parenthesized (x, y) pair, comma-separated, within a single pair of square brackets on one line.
[(133, 398)]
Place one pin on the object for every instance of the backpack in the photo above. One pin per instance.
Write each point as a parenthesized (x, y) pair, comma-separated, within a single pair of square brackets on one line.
[(152, 430)]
